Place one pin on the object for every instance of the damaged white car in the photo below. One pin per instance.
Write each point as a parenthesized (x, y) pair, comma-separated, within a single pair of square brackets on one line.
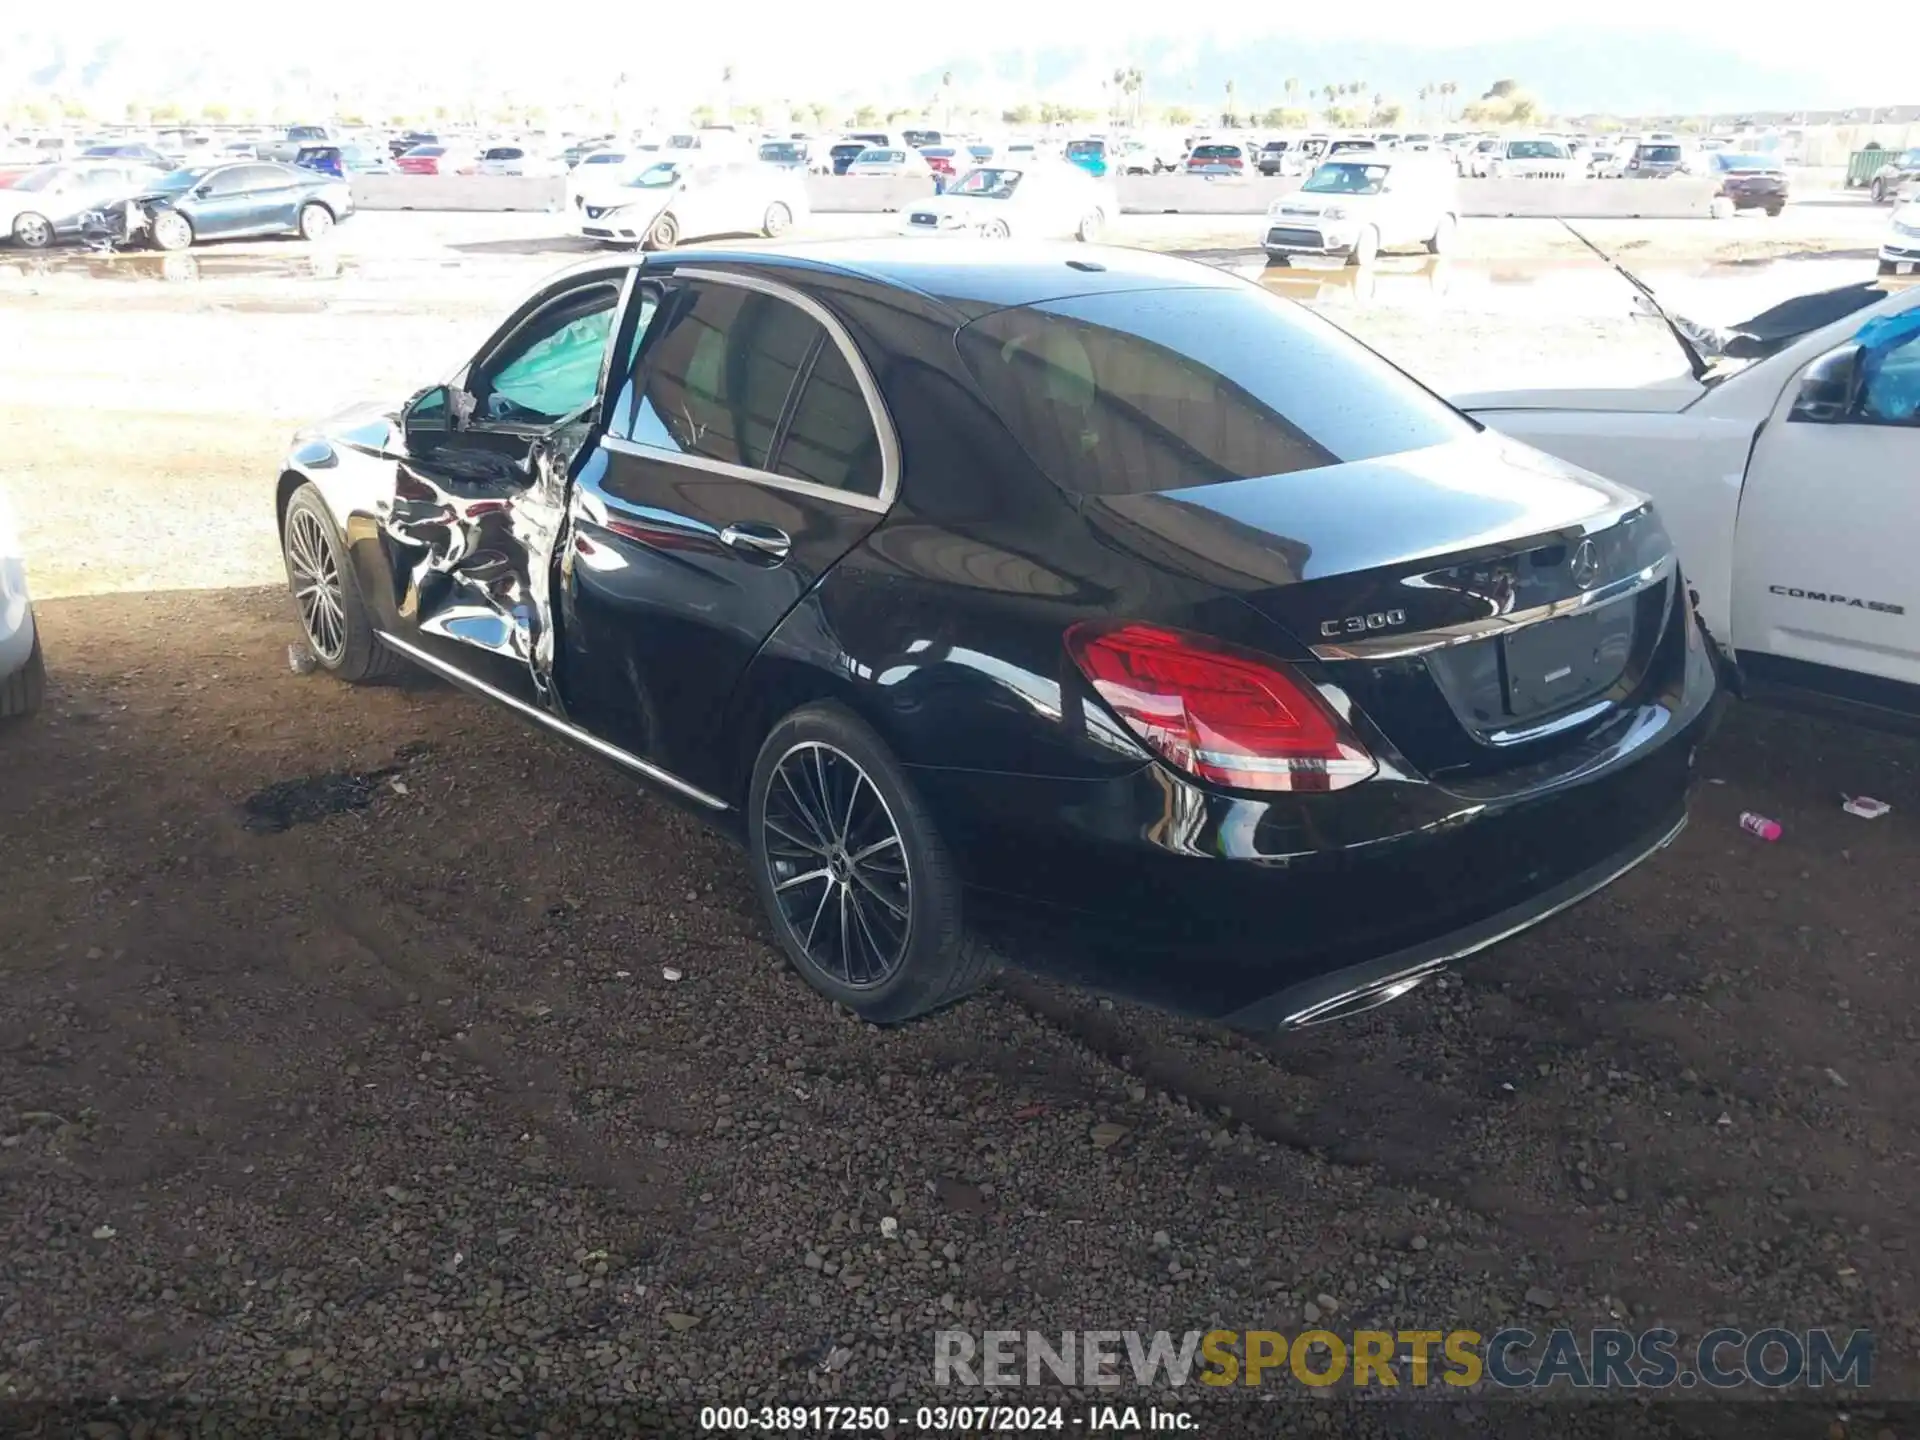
[(1786, 466), (23, 676)]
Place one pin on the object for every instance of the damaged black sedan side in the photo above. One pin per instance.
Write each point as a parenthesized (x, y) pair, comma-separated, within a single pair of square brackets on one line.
[(1088, 607)]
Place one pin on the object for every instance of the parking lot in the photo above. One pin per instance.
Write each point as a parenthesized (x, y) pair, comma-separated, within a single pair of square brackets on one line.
[(361, 1044)]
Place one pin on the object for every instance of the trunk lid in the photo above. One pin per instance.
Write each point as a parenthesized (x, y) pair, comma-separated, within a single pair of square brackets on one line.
[(1477, 600)]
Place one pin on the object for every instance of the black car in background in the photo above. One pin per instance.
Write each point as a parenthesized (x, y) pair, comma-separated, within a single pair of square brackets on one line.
[(1752, 182), (1084, 606), (225, 202)]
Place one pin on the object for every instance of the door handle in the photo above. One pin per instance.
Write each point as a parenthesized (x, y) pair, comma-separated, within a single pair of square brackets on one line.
[(766, 541)]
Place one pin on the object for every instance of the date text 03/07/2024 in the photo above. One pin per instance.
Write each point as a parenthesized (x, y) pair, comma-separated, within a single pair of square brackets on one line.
[(944, 1419)]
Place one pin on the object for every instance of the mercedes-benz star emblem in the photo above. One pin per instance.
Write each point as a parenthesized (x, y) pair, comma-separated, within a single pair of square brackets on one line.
[(1585, 565)]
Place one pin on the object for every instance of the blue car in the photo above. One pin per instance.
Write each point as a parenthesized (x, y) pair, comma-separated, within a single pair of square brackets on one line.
[(1090, 155), (209, 202), (340, 161)]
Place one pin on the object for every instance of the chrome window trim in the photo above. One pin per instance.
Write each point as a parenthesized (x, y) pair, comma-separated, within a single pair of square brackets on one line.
[(1395, 647), (551, 721), (851, 498)]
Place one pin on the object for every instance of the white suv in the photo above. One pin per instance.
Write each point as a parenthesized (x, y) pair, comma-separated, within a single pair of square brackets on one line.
[(1356, 206), (23, 678)]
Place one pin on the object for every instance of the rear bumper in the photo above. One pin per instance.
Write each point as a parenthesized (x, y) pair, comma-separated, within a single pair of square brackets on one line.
[(1281, 911)]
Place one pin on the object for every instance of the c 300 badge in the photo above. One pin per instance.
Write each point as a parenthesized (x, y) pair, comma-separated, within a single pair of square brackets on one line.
[(1361, 624)]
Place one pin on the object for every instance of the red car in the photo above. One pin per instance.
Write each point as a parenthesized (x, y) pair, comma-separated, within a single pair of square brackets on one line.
[(435, 160), (940, 160)]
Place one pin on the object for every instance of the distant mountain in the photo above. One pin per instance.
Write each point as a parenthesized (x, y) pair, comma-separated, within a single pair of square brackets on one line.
[(1571, 72)]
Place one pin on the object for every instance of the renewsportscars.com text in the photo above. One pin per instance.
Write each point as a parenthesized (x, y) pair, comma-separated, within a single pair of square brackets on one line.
[(1511, 1358)]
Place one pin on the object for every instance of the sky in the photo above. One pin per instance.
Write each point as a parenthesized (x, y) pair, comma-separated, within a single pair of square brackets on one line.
[(779, 47)]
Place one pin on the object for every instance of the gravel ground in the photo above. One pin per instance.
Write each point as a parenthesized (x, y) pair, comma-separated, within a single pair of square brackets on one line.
[(396, 1104)]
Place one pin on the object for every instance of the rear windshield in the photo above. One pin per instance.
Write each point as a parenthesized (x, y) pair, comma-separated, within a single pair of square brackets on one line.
[(1086, 147), (841, 152), (1216, 152), (1661, 154), (503, 152), (1144, 391), (782, 150), (306, 132), (1540, 150)]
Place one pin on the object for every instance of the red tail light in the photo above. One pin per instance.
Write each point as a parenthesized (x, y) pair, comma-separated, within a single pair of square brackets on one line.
[(1225, 715)]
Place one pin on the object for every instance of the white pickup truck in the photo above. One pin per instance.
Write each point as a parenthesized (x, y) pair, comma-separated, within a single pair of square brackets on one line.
[(1790, 484)]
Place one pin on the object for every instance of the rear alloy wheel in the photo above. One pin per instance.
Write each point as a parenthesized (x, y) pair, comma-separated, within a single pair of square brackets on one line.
[(664, 233), (333, 616), (854, 877), (1441, 241), (1365, 249), (1091, 224), (316, 221), (1877, 192), (777, 221), (33, 232), (172, 230), (995, 230)]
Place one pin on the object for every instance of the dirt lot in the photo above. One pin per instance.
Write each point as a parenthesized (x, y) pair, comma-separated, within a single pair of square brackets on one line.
[(397, 1101)]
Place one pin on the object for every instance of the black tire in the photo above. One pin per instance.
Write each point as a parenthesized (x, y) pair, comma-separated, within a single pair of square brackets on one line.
[(22, 691), (1365, 250), (316, 221), (1091, 225), (32, 231), (1441, 241), (663, 234), (355, 654), (777, 221), (1887, 267), (1877, 192), (929, 960), (1279, 262), (1775, 210)]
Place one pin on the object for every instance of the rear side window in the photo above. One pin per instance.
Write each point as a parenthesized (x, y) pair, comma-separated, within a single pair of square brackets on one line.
[(715, 378), (1144, 391), (830, 440)]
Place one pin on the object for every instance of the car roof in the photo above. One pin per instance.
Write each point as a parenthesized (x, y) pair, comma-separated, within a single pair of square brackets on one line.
[(1014, 273)]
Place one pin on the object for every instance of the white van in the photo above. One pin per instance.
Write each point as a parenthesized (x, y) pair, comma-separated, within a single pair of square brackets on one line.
[(1355, 206)]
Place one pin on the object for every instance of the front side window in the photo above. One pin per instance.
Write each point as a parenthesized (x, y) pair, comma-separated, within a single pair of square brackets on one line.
[(717, 371), (549, 370), (227, 182), (1147, 391), (994, 183), (1890, 380)]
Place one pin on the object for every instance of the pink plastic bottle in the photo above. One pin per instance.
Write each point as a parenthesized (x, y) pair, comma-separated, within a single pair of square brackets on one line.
[(1759, 825)]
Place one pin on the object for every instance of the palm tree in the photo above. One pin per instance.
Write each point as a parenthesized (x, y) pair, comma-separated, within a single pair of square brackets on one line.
[(726, 93), (1233, 109), (1332, 92), (946, 96), (1292, 87), (1448, 89)]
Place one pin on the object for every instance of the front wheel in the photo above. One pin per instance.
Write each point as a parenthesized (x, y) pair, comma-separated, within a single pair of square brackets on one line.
[(1365, 249), (777, 221), (316, 221), (326, 593), (1091, 224), (664, 233), (172, 230), (1877, 192), (854, 877), (22, 692), (1441, 241), (33, 232), (995, 230)]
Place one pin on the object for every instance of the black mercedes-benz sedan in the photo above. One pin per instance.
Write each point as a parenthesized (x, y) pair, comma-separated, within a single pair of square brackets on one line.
[(1084, 607)]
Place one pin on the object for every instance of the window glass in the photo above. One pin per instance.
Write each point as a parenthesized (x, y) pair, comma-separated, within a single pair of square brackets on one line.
[(1147, 391), (715, 379), (550, 369), (1890, 388), (831, 440), (230, 181)]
